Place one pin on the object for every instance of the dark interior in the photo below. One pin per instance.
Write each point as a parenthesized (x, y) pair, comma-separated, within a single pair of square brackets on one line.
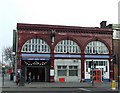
[(37, 74)]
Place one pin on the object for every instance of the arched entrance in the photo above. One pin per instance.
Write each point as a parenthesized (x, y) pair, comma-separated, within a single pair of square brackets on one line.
[(36, 60)]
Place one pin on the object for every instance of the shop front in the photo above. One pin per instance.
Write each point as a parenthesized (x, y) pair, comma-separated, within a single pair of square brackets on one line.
[(67, 70), (99, 70)]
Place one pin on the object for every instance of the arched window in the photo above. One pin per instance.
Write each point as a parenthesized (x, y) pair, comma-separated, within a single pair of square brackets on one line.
[(67, 46), (36, 45), (96, 47)]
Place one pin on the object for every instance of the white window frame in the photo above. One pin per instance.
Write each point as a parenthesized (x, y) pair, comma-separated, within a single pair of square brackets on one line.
[(67, 46), (36, 45), (67, 69), (96, 47)]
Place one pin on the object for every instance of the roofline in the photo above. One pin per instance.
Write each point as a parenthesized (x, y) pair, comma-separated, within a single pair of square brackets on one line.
[(29, 26)]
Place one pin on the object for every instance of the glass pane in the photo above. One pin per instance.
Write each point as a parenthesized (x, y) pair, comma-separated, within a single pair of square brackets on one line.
[(62, 73), (75, 67), (99, 78), (70, 67), (64, 67), (29, 47), (67, 46), (59, 67), (99, 73), (73, 73), (94, 72), (36, 41), (26, 48), (35, 45), (96, 47), (38, 47)]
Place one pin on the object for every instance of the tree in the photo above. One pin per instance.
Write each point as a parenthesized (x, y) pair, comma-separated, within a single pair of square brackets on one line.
[(7, 52)]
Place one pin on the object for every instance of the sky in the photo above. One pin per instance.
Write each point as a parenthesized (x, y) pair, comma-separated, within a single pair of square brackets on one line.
[(85, 13)]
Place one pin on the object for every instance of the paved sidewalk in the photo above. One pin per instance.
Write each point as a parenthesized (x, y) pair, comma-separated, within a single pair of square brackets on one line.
[(104, 85)]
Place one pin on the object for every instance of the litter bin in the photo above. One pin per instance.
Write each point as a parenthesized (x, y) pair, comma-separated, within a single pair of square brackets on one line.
[(113, 85), (22, 81)]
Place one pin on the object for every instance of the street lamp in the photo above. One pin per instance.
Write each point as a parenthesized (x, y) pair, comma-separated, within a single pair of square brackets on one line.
[(118, 70), (3, 72), (14, 65), (92, 66)]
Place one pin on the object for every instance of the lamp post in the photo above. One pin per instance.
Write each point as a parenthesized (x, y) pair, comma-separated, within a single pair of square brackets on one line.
[(3, 72), (92, 73), (118, 70), (14, 66), (91, 65)]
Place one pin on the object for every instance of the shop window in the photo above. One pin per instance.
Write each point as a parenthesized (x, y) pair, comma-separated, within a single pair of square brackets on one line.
[(87, 66), (73, 70), (103, 64), (62, 70)]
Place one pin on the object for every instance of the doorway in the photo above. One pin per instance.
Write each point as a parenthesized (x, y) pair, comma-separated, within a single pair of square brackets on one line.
[(97, 75), (37, 74)]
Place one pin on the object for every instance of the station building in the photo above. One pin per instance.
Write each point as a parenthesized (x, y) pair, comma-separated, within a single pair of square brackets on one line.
[(55, 53)]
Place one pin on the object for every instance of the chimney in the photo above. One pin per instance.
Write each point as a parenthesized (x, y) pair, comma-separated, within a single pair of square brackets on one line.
[(109, 26), (103, 24)]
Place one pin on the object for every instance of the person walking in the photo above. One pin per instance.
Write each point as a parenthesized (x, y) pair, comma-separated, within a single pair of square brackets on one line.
[(29, 78), (18, 78)]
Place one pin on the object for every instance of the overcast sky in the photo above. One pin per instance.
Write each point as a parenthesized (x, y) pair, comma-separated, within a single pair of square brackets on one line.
[(86, 13)]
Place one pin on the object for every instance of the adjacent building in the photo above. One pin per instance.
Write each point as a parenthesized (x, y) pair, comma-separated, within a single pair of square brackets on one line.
[(116, 49), (55, 53)]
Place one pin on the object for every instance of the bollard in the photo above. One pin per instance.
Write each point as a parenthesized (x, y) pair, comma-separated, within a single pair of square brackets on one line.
[(113, 85)]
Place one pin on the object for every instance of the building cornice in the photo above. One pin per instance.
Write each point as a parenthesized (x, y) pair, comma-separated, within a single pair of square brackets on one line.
[(62, 28)]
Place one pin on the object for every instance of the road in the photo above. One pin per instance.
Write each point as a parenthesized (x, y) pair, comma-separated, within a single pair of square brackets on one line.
[(57, 90), (60, 92)]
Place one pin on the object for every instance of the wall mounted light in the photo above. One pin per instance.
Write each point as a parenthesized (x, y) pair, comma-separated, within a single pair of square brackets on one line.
[(53, 36)]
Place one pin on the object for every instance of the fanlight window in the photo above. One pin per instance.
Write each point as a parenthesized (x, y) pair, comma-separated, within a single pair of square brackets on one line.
[(96, 47), (67, 46), (36, 45)]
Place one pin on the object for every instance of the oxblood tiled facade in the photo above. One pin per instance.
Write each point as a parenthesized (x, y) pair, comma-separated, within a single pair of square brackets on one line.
[(81, 35)]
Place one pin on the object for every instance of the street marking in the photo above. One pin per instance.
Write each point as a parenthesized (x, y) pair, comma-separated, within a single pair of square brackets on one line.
[(84, 89)]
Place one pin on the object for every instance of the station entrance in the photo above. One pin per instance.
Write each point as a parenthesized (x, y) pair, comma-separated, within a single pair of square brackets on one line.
[(40, 70)]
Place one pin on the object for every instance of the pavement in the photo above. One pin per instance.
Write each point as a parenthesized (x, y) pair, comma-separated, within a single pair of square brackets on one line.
[(98, 86)]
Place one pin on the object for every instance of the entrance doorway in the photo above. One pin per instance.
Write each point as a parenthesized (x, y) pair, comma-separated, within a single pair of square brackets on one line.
[(97, 75), (37, 74)]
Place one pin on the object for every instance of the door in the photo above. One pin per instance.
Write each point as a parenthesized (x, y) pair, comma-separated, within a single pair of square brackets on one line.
[(97, 75)]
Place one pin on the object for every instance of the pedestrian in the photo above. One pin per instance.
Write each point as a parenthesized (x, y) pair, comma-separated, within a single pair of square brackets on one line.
[(29, 78), (18, 78)]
